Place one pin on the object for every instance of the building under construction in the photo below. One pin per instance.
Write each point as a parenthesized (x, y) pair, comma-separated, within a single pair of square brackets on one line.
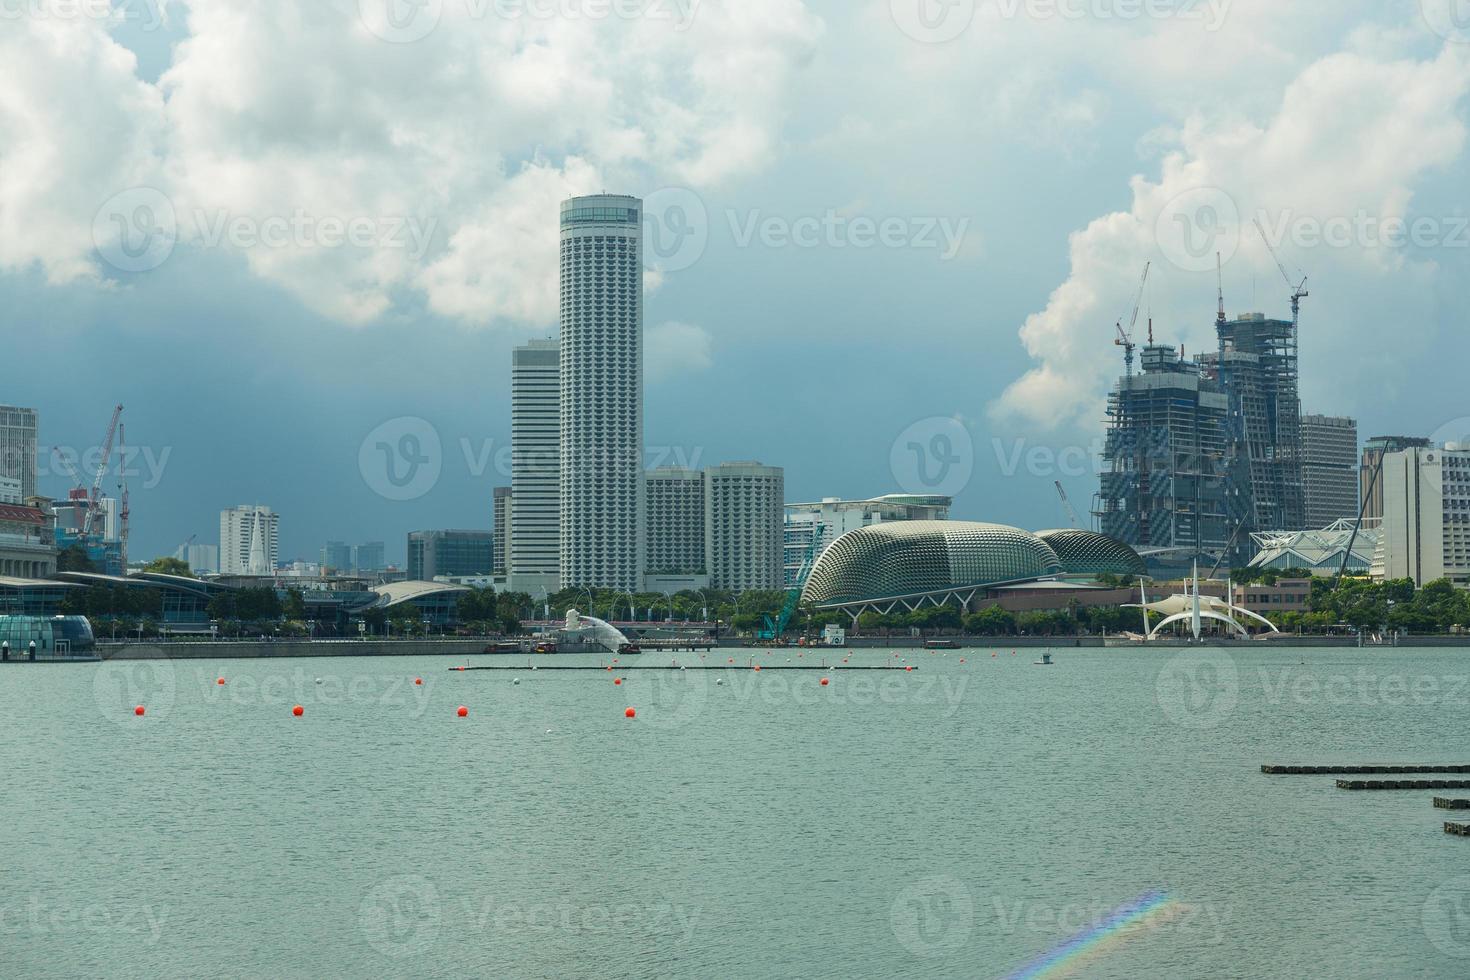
[(1165, 488)]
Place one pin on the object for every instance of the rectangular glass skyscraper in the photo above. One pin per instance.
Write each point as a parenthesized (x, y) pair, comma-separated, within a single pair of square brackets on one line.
[(602, 490), (531, 510)]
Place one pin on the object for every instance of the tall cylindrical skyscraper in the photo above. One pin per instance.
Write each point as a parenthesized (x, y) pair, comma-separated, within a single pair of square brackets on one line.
[(602, 392)]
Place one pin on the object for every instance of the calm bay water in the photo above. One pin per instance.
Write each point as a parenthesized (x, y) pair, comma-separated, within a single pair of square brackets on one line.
[(958, 821)]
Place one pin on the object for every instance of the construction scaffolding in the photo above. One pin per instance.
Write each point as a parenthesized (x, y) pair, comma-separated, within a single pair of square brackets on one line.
[(1165, 488)]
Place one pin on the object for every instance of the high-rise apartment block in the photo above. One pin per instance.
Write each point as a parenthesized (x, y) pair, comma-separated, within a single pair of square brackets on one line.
[(744, 506), (1425, 534), (1329, 469), (676, 515), (601, 474), (18, 447), (249, 540), (530, 515)]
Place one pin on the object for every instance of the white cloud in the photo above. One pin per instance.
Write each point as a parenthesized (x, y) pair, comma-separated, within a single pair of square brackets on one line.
[(1351, 135), (672, 349)]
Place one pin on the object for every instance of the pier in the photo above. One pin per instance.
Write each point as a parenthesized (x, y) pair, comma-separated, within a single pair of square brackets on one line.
[(1447, 803), (1360, 770), (1458, 829), (1403, 784)]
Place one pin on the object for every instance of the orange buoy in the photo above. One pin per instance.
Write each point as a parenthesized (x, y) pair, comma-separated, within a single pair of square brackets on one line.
[(824, 682), (630, 713), (992, 655), (962, 660), (609, 667), (757, 666), (298, 711), (463, 712), (138, 711), (732, 660), (220, 681), (418, 680), (908, 668), (617, 680)]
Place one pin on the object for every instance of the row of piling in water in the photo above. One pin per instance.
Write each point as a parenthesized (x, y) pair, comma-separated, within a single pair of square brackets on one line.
[(1440, 802)]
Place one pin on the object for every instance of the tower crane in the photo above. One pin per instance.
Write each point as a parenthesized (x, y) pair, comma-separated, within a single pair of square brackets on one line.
[(1067, 504), (1298, 290), (94, 498), (123, 512), (1125, 337)]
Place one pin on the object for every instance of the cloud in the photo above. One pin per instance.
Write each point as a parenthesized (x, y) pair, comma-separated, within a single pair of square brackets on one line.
[(1351, 139), (76, 126), (672, 349)]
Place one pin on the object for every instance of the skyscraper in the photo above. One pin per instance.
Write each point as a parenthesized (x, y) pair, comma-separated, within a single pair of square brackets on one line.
[(337, 555), (1425, 533), (1370, 481), (500, 521), (249, 540), (602, 484), (1164, 490), (1329, 469), (675, 512), (743, 516), (534, 519), (18, 447), (1256, 365), (432, 553), (368, 557)]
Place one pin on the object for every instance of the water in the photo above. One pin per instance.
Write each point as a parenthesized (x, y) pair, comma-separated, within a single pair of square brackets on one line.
[(957, 822)]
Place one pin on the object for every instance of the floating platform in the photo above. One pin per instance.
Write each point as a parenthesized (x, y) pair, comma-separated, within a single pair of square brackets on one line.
[(1359, 770), (1458, 829), (1403, 784), (629, 668), (1447, 803)]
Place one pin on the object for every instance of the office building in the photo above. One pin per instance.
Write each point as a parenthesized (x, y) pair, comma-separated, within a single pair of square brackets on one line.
[(10, 491), (1370, 480), (1164, 490), (831, 517), (249, 540), (536, 426), (1256, 368), (675, 513), (18, 447), (1425, 533), (368, 557), (602, 486), (203, 559), (337, 555), (1329, 469), (449, 553), (500, 521), (743, 509)]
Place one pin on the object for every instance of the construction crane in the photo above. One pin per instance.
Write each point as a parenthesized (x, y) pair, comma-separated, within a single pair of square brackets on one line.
[(1125, 337), (94, 498), (1298, 290), (775, 628), (123, 512), (182, 552), (1067, 504)]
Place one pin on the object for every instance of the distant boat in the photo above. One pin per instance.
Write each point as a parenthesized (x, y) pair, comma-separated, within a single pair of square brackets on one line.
[(941, 645), (1045, 660), (629, 648)]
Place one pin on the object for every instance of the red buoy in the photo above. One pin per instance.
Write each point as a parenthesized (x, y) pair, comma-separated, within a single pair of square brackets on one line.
[(298, 711), (617, 680), (220, 682), (463, 712), (138, 711), (418, 680), (630, 713), (824, 682), (962, 660), (908, 668), (459, 668), (757, 666)]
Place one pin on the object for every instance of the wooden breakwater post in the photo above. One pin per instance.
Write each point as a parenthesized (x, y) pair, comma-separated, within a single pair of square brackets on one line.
[(1364, 770), (1403, 784), (1458, 829), (1447, 803)]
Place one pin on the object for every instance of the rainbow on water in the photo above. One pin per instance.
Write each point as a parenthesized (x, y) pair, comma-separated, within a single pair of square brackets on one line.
[(1112, 931)]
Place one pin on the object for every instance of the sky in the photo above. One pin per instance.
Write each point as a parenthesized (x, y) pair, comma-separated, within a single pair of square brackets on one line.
[(889, 241)]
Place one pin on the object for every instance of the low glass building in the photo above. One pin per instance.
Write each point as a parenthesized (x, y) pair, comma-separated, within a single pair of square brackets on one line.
[(55, 637)]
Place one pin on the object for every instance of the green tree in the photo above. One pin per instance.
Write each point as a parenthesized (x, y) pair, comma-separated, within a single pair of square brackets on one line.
[(169, 566), (73, 558)]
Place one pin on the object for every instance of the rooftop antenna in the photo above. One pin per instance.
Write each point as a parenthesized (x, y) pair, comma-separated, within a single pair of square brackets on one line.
[(1220, 285)]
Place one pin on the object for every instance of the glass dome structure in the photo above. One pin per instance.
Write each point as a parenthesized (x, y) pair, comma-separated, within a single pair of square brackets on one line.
[(908, 558), (1089, 553)]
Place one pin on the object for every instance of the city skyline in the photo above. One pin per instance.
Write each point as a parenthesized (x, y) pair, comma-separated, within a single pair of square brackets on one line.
[(767, 296)]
